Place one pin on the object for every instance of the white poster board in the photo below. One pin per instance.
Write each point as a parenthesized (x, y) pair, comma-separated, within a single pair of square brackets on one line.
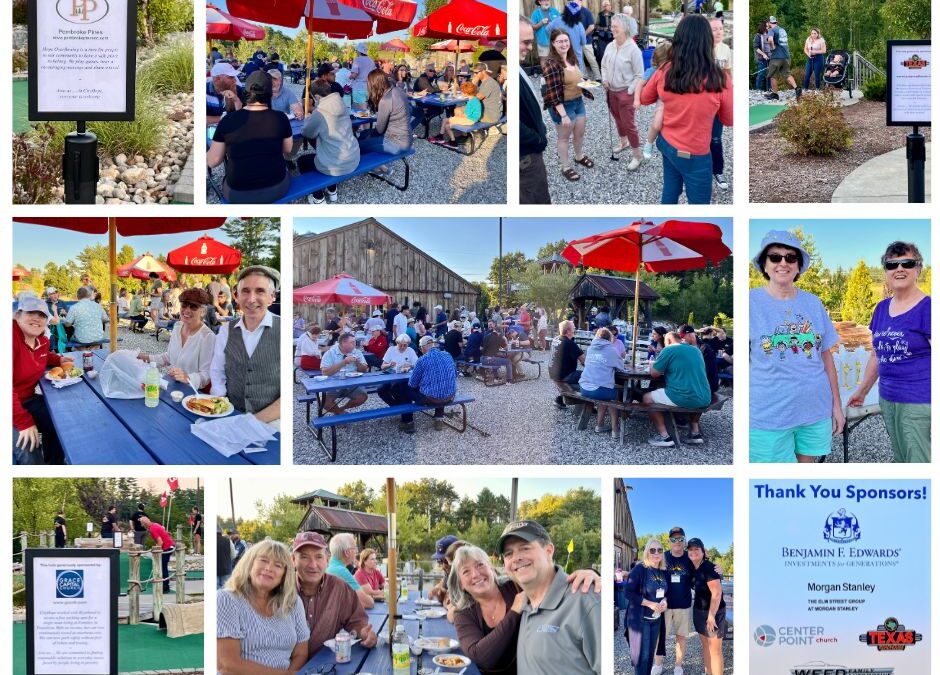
[(82, 59), (72, 612), (908, 90)]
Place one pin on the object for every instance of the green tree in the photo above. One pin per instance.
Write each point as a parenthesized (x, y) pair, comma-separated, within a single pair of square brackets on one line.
[(551, 291), (907, 18), (514, 269), (859, 302), (551, 248), (281, 517), (157, 18), (923, 283), (362, 496), (256, 238)]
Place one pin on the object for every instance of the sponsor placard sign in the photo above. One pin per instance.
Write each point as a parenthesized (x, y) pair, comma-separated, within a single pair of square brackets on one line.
[(908, 90)]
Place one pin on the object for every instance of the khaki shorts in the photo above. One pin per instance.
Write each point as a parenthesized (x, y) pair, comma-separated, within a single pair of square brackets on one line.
[(678, 622), (659, 396), (778, 68)]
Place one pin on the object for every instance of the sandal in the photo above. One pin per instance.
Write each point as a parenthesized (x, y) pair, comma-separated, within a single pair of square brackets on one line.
[(570, 174), (585, 161)]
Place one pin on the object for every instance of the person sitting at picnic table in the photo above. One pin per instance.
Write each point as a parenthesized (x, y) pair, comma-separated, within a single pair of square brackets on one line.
[(224, 94), (563, 368), (374, 321), (469, 115), (326, 74), (597, 379), (123, 304), (261, 624), (493, 350), (617, 341), (136, 313), (453, 340), (426, 85), (192, 343), (369, 575), (392, 131), (252, 142), (245, 365), (307, 352), (433, 381), (401, 357), (362, 67), (330, 128), (343, 552), (376, 347), (657, 335), (473, 347), (688, 334), (87, 320), (447, 82), (330, 604), (683, 368), (283, 98), (31, 357), (489, 93), (343, 356)]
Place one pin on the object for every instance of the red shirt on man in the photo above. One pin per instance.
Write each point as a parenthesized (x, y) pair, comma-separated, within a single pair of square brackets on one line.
[(159, 532)]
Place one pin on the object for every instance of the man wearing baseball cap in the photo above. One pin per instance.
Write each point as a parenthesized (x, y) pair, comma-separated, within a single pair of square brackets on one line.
[(690, 336), (439, 592), (223, 92), (678, 616), (560, 631), (779, 64), (329, 602)]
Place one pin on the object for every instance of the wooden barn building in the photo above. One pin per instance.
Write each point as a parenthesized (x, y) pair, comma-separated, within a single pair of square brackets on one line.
[(625, 543), (371, 252)]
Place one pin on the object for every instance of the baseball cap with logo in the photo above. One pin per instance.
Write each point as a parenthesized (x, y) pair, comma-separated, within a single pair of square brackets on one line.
[(676, 530), (527, 530), (695, 542), (314, 539), (440, 548)]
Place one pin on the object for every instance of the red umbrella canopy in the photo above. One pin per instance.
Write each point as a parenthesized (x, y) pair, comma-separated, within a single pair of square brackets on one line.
[(463, 20), (322, 16), (143, 266), (20, 273), (205, 256), (223, 26), (127, 227), (390, 15), (453, 46), (340, 289), (671, 246), (395, 45)]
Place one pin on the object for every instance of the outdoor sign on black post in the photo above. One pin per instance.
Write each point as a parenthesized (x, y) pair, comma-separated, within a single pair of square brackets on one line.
[(72, 611), (82, 56), (908, 105)]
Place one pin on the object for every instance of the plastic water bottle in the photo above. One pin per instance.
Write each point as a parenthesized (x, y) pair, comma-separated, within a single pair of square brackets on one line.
[(404, 591), (401, 652), (152, 386)]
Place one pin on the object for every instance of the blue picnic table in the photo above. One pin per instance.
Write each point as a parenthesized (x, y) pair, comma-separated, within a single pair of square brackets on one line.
[(318, 388), (432, 106), (94, 429), (297, 126), (325, 659)]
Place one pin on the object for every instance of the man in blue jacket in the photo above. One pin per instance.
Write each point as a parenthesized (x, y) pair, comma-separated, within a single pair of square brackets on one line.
[(533, 180)]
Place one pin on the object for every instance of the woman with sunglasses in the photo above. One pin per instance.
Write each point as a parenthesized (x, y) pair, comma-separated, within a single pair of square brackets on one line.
[(192, 342), (646, 594), (799, 408), (900, 331)]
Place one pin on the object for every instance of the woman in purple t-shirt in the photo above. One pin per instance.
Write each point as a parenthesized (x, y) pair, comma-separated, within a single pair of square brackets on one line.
[(900, 335)]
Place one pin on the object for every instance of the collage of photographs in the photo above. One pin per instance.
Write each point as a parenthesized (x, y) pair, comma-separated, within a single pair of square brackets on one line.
[(510, 444)]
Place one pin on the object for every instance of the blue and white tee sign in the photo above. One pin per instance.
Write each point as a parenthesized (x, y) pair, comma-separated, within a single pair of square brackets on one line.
[(840, 577)]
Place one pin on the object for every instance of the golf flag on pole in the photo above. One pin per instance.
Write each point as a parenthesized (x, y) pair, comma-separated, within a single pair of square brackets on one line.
[(163, 500), (174, 483)]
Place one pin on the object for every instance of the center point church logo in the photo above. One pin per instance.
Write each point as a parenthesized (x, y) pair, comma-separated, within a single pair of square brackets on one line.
[(765, 636), (82, 11), (842, 528), (69, 584), (791, 636)]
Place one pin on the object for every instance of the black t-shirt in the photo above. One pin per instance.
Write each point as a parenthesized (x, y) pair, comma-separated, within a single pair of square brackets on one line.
[(424, 83), (452, 343), (59, 527), (135, 521), (703, 595), (197, 523), (333, 328), (679, 575), (711, 366), (565, 359), (223, 556), (107, 524), (254, 142), (421, 315), (492, 343)]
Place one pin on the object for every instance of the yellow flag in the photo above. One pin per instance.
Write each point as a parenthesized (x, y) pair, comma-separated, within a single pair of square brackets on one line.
[(571, 546)]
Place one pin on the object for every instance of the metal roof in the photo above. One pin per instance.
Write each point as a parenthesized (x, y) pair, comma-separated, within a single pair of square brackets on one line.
[(603, 286), (555, 258), (320, 494), (332, 520)]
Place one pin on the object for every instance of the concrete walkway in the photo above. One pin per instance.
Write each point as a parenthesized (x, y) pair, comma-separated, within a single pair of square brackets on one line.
[(882, 179), (183, 190)]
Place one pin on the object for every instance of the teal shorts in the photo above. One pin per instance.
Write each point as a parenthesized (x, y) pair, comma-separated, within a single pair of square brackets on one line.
[(782, 446)]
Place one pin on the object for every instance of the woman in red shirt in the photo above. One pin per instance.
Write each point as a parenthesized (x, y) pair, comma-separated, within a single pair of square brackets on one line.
[(693, 89), (376, 348), (369, 576), (31, 357)]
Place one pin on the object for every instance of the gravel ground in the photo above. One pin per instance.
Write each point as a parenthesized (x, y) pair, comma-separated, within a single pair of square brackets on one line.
[(523, 412), (692, 664), (610, 182), (814, 179), (869, 443), (438, 176)]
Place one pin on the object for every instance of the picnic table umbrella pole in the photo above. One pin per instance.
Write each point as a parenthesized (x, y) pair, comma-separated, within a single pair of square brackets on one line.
[(392, 557), (112, 271)]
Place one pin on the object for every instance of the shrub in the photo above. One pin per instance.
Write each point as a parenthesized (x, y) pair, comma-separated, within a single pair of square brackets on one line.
[(171, 71), (874, 88), (19, 12), (20, 62), (816, 126), (36, 165), (160, 17)]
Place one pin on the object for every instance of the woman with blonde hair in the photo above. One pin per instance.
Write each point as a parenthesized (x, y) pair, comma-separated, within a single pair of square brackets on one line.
[(646, 594), (260, 622), (815, 50), (369, 575)]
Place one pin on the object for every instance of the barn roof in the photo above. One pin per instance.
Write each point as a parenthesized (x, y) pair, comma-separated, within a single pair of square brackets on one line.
[(320, 494), (329, 519)]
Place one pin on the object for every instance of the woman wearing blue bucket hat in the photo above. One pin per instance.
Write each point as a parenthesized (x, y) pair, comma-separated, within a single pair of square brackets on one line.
[(795, 407)]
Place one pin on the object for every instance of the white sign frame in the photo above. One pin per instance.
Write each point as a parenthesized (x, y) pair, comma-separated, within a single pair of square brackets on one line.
[(915, 82)]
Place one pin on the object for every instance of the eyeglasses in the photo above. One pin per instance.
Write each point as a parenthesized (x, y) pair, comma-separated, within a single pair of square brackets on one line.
[(190, 305), (528, 43), (906, 263), (777, 257), (676, 540), (656, 550)]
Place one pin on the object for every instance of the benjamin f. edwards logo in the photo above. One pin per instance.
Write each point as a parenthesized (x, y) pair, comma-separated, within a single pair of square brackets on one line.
[(842, 528), (82, 12), (69, 584)]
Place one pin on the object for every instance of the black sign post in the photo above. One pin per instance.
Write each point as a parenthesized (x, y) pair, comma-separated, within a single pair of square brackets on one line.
[(82, 67), (908, 104)]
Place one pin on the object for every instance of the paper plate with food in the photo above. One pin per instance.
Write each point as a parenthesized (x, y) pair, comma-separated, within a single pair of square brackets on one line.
[(589, 84), (432, 613), (363, 114), (451, 661), (354, 374), (59, 374), (427, 602), (436, 645), (208, 406)]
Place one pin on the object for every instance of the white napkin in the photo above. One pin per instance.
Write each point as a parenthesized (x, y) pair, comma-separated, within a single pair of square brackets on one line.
[(331, 643), (60, 384), (231, 435)]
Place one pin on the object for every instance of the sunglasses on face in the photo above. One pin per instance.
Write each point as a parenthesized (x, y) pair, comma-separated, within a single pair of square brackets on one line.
[(189, 305), (777, 257), (656, 550), (906, 263), (676, 540)]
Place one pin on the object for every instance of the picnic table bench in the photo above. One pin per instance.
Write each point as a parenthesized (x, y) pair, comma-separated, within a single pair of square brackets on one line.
[(472, 130), (480, 371)]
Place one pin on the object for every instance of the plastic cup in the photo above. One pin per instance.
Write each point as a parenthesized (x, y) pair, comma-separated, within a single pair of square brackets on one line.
[(177, 396)]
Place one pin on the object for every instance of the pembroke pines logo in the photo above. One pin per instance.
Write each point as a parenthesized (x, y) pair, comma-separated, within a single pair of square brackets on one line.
[(82, 12), (842, 528), (915, 63), (69, 584), (892, 635)]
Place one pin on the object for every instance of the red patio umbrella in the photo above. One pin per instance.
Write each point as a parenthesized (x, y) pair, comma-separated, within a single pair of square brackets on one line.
[(223, 26), (20, 273), (671, 246), (390, 15), (341, 289), (394, 45), (452, 46), (143, 266), (205, 256), (127, 227)]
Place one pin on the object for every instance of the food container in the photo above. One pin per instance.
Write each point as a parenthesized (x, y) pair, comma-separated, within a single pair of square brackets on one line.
[(177, 396)]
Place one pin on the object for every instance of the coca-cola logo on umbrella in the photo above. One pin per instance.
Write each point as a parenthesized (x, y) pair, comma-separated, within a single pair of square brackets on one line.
[(379, 7), (475, 31)]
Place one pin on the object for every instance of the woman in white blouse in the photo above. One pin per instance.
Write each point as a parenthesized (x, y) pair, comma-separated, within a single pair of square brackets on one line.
[(189, 353)]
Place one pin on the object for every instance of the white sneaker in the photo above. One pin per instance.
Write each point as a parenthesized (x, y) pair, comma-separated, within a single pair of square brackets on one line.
[(657, 670), (722, 184), (311, 199), (634, 164), (331, 194), (678, 670), (648, 154)]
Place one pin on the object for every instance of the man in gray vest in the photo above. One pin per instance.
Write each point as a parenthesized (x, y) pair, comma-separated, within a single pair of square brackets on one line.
[(246, 362), (560, 631)]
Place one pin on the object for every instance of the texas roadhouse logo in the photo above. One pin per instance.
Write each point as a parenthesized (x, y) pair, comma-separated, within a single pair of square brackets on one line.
[(915, 63), (892, 635)]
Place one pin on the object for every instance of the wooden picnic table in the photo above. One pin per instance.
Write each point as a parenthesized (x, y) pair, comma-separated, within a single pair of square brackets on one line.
[(633, 376)]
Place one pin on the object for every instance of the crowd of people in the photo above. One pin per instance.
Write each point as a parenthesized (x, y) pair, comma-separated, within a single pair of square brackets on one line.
[(280, 605), (254, 139), (688, 83), (198, 352)]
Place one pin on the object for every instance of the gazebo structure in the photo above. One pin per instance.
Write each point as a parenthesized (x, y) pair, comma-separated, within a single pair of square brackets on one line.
[(615, 292), (366, 527), (323, 498), (553, 263)]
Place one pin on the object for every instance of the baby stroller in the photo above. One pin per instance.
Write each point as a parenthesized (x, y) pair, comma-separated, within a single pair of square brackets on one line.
[(836, 70)]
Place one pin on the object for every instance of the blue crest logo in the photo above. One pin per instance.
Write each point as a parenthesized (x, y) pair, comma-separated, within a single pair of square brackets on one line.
[(842, 528)]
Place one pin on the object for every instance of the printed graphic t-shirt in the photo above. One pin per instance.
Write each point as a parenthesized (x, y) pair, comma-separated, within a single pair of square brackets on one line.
[(903, 348), (789, 387), (680, 576)]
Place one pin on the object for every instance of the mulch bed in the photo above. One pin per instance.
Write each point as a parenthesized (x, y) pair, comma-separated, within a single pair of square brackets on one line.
[(777, 174)]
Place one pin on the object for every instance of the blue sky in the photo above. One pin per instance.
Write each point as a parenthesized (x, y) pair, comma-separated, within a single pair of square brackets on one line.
[(500, 4), (845, 242), (247, 492), (472, 243), (700, 506), (32, 249)]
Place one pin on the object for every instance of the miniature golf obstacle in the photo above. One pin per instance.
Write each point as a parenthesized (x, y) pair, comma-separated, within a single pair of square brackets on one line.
[(180, 620)]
